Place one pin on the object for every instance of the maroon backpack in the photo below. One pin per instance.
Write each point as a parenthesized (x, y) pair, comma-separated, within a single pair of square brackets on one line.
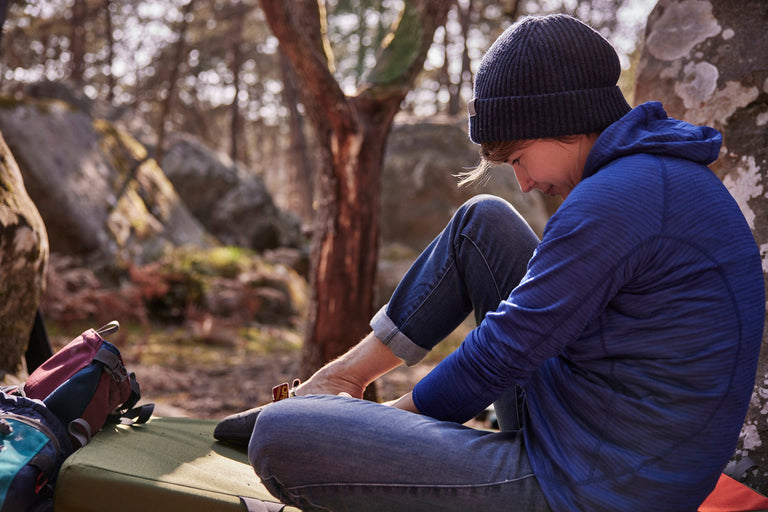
[(86, 385)]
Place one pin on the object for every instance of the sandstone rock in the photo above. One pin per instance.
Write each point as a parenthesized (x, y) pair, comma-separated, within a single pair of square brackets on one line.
[(420, 193), (97, 191), (23, 257), (233, 204)]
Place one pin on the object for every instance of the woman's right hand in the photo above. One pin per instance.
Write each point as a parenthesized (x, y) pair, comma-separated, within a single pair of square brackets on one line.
[(328, 382), (353, 371)]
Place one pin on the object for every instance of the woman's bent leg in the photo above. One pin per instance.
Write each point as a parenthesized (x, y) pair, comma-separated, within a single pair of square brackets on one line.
[(327, 452), (473, 264)]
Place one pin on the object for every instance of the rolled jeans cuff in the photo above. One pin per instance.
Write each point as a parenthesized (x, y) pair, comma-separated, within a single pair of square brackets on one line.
[(400, 344)]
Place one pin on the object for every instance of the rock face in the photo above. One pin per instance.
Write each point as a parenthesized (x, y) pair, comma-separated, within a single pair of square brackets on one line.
[(231, 203), (98, 192), (420, 192), (706, 61), (23, 257)]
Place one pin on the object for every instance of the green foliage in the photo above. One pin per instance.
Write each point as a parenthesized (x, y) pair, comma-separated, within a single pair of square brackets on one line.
[(399, 50), (226, 262)]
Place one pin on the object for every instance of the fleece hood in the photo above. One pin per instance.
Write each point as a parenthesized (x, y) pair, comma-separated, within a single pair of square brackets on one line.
[(647, 129)]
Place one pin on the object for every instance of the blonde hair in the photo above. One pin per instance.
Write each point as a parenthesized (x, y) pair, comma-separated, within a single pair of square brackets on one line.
[(496, 153), (491, 155)]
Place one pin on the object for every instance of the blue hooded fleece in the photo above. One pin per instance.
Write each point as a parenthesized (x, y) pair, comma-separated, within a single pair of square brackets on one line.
[(635, 332)]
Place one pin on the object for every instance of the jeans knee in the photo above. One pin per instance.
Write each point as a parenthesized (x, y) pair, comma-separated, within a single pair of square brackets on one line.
[(491, 215), (486, 207), (266, 441), (486, 202)]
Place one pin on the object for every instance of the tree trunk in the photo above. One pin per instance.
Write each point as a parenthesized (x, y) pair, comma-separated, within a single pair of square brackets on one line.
[(110, 51), (301, 170), (465, 17), (444, 77), (77, 42), (346, 238), (236, 123), (23, 259), (180, 52), (351, 133), (3, 14), (702, 60)]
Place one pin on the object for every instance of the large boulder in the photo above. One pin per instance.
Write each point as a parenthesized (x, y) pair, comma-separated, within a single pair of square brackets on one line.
[(420, 192), (233, 204), (703, 61), (23, 257), (98, 192)]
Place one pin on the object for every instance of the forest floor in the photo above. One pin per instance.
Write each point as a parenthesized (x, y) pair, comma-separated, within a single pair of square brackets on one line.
[(212, 381), (204, 356)]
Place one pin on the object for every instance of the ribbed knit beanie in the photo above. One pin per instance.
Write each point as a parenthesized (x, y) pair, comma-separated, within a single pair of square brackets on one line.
[(546, 77)]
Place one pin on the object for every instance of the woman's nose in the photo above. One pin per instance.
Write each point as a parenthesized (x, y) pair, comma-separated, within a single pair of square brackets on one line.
[(526, 184)]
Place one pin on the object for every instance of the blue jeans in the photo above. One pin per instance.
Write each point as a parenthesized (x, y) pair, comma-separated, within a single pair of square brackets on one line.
[(338, 453)]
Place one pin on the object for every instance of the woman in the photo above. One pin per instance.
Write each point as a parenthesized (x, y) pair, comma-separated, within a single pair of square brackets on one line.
[(619, 352)]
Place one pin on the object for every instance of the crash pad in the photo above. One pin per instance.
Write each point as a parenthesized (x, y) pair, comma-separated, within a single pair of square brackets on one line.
[(169, 464)]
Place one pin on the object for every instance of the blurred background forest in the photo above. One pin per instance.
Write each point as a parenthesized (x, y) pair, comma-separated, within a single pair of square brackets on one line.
[(195, 82), (213, 68)]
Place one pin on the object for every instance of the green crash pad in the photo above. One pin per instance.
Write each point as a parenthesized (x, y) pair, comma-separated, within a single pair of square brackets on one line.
[(169, 464)]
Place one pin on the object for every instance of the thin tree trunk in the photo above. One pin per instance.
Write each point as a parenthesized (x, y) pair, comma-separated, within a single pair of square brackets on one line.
[(236, 129), (346, 239), (465, 18), (77, 42), (445, 75), (165, 108), (299, 165), (3, 14), (110, 51)]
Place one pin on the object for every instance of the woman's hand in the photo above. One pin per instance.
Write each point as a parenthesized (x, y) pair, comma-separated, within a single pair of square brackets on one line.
[(353, 371), (329, 382)]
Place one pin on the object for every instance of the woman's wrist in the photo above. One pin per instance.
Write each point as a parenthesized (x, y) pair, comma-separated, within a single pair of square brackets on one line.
[(352, 372), (405, 403)]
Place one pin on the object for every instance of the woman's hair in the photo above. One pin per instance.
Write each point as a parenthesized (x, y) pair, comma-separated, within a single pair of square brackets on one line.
[(496, 153), (491, 155)]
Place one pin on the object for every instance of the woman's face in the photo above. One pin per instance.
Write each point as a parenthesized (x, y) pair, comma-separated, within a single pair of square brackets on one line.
[(554, 167)]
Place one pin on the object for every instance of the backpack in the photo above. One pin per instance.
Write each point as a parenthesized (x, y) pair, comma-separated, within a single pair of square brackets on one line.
[(33, 446), (86, 385), (731, 495)]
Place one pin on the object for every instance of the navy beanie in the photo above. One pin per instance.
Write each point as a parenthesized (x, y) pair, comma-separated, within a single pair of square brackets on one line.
[(546, 77)]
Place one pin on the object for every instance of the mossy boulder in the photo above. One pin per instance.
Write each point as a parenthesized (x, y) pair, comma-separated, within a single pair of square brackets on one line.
[(98, 192)]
